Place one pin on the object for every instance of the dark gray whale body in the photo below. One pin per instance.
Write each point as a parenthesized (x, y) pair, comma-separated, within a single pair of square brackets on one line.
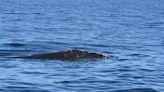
[(67, 55)]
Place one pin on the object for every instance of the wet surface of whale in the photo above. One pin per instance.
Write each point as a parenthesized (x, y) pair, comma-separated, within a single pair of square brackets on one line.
[(67, 55)]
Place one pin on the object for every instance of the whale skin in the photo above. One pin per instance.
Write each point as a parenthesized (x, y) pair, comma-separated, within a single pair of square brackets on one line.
[(67, 55)]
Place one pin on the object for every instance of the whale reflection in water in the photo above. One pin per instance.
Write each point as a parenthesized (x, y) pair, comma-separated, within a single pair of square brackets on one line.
[(67, 55)]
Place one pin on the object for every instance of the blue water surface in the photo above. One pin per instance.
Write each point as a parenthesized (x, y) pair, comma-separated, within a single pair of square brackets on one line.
[(132, 31)]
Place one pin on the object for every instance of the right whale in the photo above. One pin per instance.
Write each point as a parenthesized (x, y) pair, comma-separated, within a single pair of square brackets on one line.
[(67, 55)]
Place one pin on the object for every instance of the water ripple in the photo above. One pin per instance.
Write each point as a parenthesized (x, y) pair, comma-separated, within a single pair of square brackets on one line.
[(136, 90)]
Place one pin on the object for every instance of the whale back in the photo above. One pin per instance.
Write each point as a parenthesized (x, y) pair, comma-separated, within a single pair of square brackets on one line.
[(67, 55)]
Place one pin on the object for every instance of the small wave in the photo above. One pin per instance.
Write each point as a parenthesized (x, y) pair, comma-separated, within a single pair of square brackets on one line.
[(59, 43), (154, 24), (136, 90), (38, 13), (96, 45), (5, 54), (8, 66), (22, 89), (87, 81), (6, 50), (14, 13), (33, 73), (138, 55), (15, 44), (22, 13), (123, 59)]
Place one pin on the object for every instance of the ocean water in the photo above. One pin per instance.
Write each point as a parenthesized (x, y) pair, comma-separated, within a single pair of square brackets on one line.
[(132, 31)]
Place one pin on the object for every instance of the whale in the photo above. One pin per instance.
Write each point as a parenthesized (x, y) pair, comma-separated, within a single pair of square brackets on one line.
[(67, 55)]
